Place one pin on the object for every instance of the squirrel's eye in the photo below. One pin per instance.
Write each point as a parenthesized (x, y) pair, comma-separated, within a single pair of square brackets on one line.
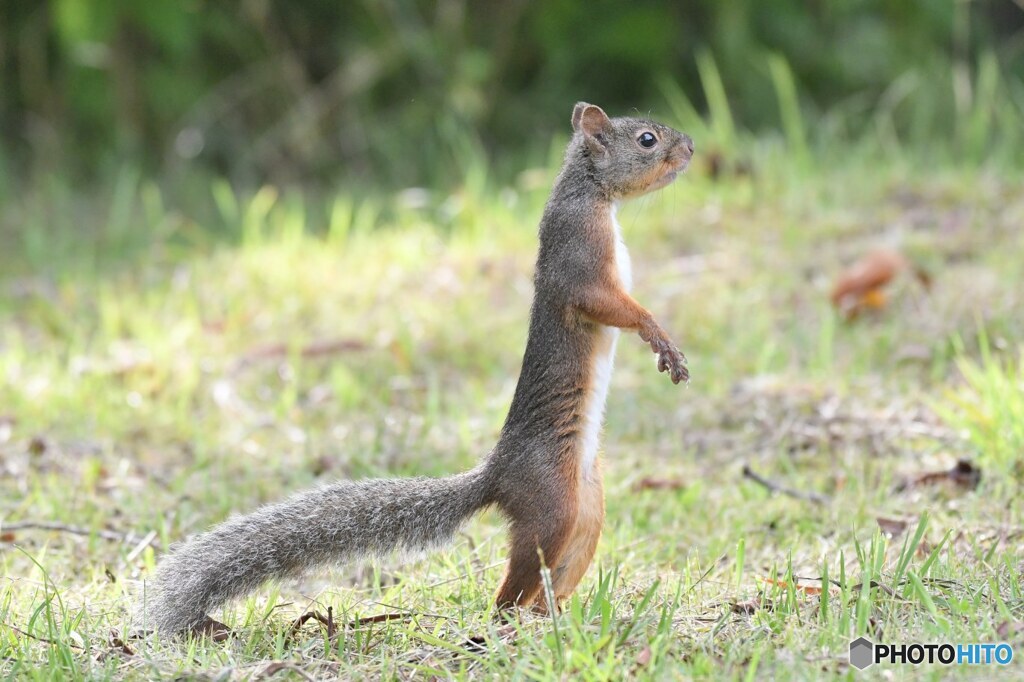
[(647, 140)]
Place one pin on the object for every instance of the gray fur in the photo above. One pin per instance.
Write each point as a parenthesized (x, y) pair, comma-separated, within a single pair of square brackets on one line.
[(331, 524)]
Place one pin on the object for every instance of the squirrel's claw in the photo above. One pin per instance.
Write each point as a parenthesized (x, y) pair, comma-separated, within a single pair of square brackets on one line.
[(672, 360)]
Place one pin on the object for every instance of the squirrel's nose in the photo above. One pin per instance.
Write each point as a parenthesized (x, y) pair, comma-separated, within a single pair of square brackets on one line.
[(688, 145)]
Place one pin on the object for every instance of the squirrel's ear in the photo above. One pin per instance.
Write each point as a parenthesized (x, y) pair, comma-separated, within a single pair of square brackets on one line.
[(577, 114), (591, 120)]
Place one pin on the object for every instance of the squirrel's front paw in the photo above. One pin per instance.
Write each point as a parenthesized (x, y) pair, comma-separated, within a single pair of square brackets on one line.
[(672, 360)]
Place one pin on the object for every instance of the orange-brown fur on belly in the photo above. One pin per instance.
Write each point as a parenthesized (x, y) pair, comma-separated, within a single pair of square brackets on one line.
[(579, 551), (565, 540)]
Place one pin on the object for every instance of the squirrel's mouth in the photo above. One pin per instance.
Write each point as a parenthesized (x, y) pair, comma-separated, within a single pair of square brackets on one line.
[(670, 176)]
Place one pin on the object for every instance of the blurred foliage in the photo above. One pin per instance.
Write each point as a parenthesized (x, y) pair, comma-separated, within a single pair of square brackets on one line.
[(406, 92)]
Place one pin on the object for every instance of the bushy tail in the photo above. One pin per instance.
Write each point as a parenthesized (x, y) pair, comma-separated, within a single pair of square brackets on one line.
[(330, 524)]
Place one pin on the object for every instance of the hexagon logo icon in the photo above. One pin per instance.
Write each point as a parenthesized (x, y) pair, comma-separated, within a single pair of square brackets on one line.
[(862, 653)]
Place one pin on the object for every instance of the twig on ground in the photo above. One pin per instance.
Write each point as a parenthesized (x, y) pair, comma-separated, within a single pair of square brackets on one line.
[(111, 535), (327, 621), (884, 588), (410, 613), (43, 639), (278, 666), (315, 349), (816, 498), (332, 629), (964, 474), (140, 547), (381, 618)]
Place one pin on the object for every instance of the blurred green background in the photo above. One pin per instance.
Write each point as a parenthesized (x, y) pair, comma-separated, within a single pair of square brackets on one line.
[(395, 93)]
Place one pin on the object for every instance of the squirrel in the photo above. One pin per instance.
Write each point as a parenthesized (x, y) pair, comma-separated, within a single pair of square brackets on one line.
[(543, 474)]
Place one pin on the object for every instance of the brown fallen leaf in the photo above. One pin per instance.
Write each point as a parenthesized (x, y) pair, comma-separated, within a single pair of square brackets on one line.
[(272, 669), (7, 536), (860, 287), (652, 483), (892, 527), (214, 629), (117, 643), (751, 606), (747, 608), (478, 643), (1010, 629), (37, 446)]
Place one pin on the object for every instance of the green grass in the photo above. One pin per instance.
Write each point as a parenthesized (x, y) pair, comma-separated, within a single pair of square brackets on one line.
[(154, 379)]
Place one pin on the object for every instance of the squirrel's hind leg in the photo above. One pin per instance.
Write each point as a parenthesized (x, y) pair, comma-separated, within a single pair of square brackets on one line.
[(567, 540), (579, 551), (547, 534)]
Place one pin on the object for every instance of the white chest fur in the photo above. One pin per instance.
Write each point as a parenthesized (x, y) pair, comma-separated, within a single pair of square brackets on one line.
[(602, 362), (622, 262)]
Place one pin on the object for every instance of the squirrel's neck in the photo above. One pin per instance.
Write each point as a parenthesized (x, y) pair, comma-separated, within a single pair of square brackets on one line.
[(577, 207), (559, 400), (576, 182)]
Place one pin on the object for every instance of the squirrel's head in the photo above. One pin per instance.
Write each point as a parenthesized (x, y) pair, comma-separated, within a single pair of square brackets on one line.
[(629, 156)]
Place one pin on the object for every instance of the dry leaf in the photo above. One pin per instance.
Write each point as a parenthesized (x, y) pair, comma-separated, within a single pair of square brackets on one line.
[(892, 527), (652, 483), (859, 287), (37, 445), (272, 669), (214, 629), (119, 644), (752, 606), (1009, 629)]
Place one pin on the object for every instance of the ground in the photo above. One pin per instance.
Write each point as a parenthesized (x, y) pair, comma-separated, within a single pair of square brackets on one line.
[(802, 491)]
